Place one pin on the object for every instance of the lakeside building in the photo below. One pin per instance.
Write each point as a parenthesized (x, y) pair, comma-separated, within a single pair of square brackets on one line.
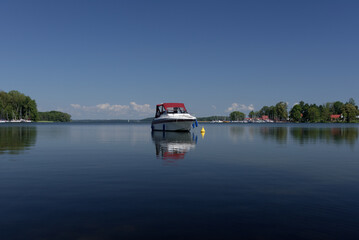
[(335, 117)]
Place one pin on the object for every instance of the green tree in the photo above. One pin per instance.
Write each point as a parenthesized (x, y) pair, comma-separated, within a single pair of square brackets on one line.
[(264, 111), (337, 107), (281, 109), (17, 100), (1, 108), (32, 110), (237, 116), (349, 112), (305, 112), (313, 113), (296, 113), (252, 114), (325, 112), (272, 113)]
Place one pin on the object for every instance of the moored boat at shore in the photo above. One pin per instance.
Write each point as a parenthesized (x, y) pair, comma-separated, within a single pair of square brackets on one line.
[(25, 120), (16, 121), (172, 117)]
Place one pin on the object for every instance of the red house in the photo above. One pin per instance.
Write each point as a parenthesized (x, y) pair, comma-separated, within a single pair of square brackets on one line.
[(335, 117)]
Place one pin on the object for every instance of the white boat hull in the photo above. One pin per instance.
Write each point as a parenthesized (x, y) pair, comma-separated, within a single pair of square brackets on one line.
[(172, 125)]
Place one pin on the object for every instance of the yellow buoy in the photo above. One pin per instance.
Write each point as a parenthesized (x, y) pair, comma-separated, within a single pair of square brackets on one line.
[(203, 131)]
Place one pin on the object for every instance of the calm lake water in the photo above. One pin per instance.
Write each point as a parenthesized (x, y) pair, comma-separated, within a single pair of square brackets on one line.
[(119, 181)]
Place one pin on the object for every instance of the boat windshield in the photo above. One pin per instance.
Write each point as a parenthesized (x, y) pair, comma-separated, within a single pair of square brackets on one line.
[(160, 109), (176, 110)]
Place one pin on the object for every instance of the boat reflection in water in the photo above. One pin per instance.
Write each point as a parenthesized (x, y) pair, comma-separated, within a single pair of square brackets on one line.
[(172, 146)]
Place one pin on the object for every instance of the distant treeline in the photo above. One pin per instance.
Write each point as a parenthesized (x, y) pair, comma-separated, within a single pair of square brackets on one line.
[(147, 119), (54, 116), (305, 112), (16, 105), (112, 121), (213, 118)]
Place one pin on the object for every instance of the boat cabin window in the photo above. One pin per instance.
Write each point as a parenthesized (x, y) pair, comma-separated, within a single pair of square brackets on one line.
[(176, 110), (160, 110)]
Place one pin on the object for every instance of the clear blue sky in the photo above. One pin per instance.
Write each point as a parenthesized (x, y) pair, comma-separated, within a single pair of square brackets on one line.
[(117, 59)]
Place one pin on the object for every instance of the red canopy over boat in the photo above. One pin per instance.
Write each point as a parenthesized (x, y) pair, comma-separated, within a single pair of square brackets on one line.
[(172, 105)]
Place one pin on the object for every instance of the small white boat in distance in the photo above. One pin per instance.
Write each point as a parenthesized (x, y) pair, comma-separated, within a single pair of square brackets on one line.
[(25, 120), (172, 117)]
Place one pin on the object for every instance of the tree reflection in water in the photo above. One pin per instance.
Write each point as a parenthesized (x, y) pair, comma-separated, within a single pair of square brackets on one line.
[(279, 134), (301, 135), (344, 135), (16, 139), (237, 132)]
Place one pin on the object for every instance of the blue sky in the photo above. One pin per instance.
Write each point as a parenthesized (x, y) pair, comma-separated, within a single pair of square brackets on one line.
[(118, 59)]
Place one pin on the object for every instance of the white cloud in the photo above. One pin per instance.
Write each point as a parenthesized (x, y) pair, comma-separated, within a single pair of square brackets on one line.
[(214, 107), (104, 106), (233, 107), (145, 108), (250, 107), (106, 110), (111, 108), (240, 107), (76, 106)]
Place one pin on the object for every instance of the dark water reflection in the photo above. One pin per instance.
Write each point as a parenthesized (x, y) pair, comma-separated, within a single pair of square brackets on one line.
[(120, 181), (345, 135), (17, 139), (302, 135), (279, 134)]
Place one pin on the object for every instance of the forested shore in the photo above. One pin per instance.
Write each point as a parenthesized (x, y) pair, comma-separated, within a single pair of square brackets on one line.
[(15, 105), (54, 116), (305, 112)]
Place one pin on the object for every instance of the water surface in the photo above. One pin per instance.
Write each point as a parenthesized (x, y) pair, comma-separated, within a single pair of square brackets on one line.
[(120, 181)]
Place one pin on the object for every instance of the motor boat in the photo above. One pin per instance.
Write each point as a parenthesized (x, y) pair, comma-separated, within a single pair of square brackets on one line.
[(173, 117)]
